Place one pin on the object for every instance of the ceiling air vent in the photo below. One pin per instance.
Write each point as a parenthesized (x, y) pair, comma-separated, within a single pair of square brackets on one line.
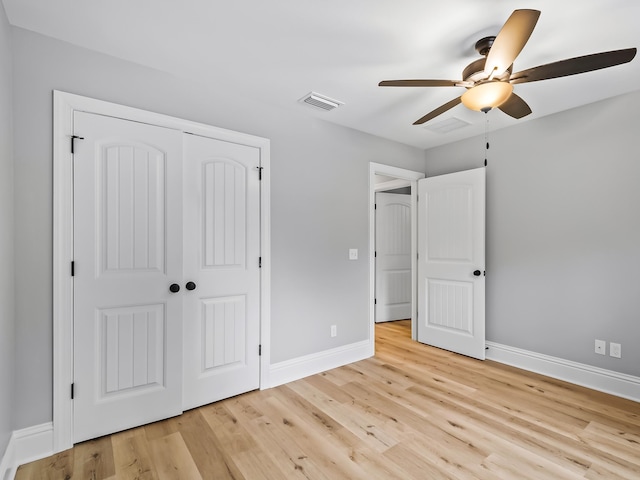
[(447, 126), (316, 100)]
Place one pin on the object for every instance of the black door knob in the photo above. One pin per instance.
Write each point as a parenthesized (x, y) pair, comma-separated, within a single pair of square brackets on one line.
[(190, 286), (477, 273), (174, 288)]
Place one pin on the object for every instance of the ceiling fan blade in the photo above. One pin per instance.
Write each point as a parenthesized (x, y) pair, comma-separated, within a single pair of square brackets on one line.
[(510, 41), (515, 107), (438, 111), (574, 66), (418, 83)]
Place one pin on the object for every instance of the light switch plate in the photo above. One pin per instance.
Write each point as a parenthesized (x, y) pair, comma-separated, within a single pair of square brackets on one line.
[(353, 254)]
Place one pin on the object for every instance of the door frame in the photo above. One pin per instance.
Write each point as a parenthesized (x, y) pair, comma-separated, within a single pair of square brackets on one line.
[(408, 177), (64, 106)]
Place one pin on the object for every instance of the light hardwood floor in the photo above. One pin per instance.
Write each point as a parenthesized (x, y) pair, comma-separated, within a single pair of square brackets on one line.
[(411, 412)]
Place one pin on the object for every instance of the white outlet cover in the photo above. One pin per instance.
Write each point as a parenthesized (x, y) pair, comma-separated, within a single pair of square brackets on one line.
[(615, 350), (601, 347), (353, 254)]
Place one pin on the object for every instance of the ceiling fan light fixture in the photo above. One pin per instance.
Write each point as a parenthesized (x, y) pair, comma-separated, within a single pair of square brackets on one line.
[(486, 96)]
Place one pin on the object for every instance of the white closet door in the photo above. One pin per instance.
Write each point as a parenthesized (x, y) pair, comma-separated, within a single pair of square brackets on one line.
[(221, 259), (451, 262), (393, 257), (127, 253)]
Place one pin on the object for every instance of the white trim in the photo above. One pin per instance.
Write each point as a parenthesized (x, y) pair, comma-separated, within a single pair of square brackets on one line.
[(608, 381), (7, 464), (62, 282), (265, 271), (297, 368), (411, 178), (65, 104), (26, 445)]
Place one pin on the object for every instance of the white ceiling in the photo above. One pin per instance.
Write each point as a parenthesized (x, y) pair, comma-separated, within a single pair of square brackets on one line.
[(279, 50)]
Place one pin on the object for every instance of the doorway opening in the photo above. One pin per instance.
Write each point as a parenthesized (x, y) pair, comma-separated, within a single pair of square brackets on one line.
[(383, 178)]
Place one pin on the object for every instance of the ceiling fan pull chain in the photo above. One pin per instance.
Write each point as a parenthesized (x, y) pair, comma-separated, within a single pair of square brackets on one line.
[(486, 137)]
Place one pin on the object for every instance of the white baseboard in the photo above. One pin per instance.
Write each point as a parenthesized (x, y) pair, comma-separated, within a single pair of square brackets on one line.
[(297, 368), (25, 446), (608, 381), (7, 465)]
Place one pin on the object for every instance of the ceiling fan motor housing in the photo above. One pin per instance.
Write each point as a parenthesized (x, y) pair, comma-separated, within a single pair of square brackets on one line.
[(484, 45), (474, 72)]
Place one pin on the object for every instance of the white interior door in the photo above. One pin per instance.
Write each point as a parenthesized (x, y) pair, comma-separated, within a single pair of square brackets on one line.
[(127, 252), (222, 250), (451, 262), (393, 257)]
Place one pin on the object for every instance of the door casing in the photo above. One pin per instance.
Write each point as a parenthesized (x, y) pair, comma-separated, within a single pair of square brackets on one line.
[(412, 178), (64, 105)]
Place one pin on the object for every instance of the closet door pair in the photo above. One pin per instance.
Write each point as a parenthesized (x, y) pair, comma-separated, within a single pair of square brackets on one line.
[(166, 272)]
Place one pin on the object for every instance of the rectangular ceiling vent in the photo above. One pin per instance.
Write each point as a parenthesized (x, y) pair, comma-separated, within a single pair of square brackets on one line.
[(322, 102), (447, 126)]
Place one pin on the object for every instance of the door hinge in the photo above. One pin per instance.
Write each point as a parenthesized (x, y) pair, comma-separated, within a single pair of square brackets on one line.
[(375, 254), (259, 172), (73, 143), (259, 350), (375, 206), (73, 268), (259, 262), (375, 301), (72, 390)]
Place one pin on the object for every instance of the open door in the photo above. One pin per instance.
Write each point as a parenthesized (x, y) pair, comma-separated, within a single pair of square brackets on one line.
[(451, 262)]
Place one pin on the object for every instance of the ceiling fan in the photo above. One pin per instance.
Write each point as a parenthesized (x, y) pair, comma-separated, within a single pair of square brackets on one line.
[(489, 81)]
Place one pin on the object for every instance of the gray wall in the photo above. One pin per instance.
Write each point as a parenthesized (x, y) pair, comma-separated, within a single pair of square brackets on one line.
[(7, 318), (563, 231), (319, 204)]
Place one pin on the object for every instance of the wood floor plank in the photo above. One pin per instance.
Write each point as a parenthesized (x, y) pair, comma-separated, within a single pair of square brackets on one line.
[(286, 458), (131, 456), (51, 468), (343, 438), (410, 412), (351, 417), (416, 466), (311, 438), (230, 438), (346, 442), (160, 429), (203, 446), (283, 451), (322, 383), (93, 459), (172, 459)]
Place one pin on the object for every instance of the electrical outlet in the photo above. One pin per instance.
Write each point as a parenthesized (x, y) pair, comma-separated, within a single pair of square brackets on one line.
[(353, 254), (615, 350), (601, 347), (334, 330)]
